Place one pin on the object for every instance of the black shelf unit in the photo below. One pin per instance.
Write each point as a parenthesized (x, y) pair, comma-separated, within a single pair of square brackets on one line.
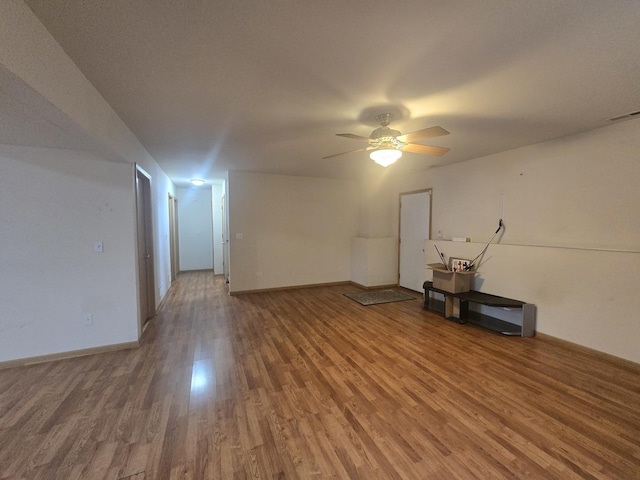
[(456, 307)]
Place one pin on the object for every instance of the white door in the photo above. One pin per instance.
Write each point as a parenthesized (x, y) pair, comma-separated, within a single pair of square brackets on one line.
[(415, 225)]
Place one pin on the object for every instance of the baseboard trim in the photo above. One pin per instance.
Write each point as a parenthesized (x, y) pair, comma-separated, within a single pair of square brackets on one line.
[(591, 351), (314, 285), (291, 287), (374, 287), (21, 362)]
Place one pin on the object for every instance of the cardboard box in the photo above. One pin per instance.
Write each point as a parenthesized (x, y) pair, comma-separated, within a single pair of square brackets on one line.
[(452, 282)]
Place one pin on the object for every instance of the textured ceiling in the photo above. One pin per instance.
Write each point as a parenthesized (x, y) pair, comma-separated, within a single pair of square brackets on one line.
[(265, 86)]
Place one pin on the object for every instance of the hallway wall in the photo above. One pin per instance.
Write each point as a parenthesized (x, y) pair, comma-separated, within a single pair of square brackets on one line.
[(54, 205)]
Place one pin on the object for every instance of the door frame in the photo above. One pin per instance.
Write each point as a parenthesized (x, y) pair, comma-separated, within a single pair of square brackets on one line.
[(225, 240), (144, 248), (174, 238)]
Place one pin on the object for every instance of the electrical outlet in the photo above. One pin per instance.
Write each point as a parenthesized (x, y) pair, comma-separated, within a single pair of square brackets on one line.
[(88, 320), (258, 274)]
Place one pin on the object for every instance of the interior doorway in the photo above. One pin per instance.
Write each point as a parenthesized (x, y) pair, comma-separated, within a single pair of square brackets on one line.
[(415, 228), (225, 241), (174, 239), (144, 232)]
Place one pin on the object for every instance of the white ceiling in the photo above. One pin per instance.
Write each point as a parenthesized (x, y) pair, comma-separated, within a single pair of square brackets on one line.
[(211, 86)]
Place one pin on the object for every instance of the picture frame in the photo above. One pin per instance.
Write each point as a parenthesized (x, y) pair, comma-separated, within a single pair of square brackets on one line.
[(458, 264)]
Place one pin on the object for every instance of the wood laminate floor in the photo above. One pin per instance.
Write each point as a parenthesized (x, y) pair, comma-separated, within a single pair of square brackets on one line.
[(308, 384)]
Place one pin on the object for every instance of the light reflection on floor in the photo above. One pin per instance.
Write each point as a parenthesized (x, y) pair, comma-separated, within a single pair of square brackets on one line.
[(203, 379)]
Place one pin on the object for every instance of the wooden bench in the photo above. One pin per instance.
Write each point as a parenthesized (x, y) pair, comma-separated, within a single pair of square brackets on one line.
[(456, 307)]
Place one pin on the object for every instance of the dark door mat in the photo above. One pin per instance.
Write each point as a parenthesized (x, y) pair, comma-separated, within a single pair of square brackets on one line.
[(375, 297)]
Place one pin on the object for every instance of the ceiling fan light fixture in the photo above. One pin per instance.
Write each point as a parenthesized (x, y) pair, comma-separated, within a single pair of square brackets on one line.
[(385, 156), (386, 144)]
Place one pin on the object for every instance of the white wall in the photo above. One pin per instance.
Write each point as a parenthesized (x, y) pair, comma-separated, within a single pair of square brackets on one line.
[(376, 197), (54, 204), (295, 230), (195, 228), (571, 209), (374, 261), (374, 252)]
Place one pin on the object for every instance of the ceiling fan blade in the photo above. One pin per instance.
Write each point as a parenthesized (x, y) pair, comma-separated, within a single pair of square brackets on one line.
[(422, 134), (424, 149), (344, 153), (354, 137)]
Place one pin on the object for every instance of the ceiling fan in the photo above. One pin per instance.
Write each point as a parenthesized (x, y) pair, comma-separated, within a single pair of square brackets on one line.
[(386, 145)]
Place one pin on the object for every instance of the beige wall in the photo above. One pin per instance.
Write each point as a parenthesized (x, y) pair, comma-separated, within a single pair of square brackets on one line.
[(571, 243), (577, 191), (295, 230), (374, 261), (376, 203)]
